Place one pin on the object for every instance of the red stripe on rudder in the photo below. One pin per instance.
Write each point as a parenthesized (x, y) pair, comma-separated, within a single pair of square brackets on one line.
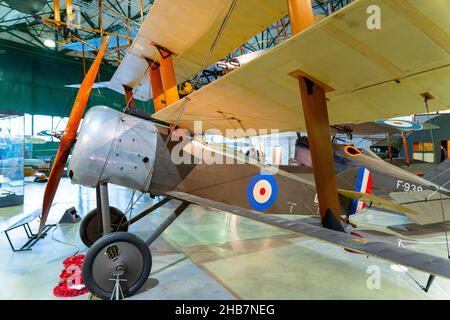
[(369, 184), (368, 187)]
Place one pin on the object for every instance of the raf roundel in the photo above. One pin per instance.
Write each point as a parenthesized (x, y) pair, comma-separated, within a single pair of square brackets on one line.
[(400, 124), (262, 191)]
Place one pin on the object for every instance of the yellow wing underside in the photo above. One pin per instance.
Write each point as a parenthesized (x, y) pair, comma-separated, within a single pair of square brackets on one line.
[(374, 74), (188, 29)]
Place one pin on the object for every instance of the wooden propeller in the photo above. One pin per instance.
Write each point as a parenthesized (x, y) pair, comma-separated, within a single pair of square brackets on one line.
[(69, 136)]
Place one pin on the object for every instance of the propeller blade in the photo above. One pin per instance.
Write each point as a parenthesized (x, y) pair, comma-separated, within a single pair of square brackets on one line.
[(69, 136)]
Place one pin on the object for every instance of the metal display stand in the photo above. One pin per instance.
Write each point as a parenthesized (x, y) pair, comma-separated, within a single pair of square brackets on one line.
[(32, 237)]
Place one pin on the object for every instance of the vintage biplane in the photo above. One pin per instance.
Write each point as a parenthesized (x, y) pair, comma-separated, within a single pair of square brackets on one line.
[(375, 74)]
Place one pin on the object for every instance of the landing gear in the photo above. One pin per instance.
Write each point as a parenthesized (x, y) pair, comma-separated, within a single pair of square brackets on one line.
[(119, 258), (91, 231), (102, 220), (118, 264)]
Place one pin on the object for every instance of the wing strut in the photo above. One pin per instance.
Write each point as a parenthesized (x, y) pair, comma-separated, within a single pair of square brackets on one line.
[(159, 96), (169, 80), (316, 119), (129, 99), (405, 148)]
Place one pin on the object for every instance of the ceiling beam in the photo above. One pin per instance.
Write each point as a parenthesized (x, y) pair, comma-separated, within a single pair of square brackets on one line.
[(26, 41)]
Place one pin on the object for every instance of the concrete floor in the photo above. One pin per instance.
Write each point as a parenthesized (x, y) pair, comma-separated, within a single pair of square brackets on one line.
[(207, 254)]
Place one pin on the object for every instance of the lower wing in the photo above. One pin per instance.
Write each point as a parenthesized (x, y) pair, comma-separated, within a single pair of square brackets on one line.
[(420, 261)]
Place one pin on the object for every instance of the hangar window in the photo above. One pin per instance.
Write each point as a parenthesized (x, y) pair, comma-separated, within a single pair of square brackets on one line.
[(28, 125), (423, 147), (58, 123), (37, 123), (423, 151), (41, 123)]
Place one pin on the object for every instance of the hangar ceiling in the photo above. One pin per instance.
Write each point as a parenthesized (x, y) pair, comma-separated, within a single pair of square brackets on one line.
[(32, 22)]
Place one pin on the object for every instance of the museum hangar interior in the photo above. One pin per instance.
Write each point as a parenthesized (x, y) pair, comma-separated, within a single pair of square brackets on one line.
[(239, 149)]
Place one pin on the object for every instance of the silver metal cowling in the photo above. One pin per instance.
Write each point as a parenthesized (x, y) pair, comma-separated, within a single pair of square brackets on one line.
[(115, 148)]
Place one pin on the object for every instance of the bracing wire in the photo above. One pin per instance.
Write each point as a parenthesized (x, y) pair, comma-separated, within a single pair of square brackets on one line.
[(204, 65), (401, 242)]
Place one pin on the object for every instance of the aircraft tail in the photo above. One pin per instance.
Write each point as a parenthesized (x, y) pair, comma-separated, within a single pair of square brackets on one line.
[(359, 180), (363, 184)]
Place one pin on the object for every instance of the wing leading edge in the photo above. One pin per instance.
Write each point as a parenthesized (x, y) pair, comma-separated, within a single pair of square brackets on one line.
[(420, 261)]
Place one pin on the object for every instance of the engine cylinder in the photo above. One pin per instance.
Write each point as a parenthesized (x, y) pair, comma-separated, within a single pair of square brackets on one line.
[(115, 148)]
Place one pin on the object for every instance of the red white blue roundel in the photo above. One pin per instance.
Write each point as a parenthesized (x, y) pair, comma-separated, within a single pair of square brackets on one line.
[(262, 191), (400, 124)]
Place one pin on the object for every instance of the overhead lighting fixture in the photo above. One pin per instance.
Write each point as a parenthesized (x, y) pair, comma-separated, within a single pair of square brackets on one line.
[(49, 43)]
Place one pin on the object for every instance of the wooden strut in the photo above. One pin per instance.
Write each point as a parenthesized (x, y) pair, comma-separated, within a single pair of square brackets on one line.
[(69, 10), (405, 148), (159, 97), (141, 9), (57, 10), (316, 119), (168, 78), (100, 18), (129, 98)]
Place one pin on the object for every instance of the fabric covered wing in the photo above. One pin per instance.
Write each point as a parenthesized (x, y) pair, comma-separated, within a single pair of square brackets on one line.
[(372, 74), (188, 28), (421, 261)]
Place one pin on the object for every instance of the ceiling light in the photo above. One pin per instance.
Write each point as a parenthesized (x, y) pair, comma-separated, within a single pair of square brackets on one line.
[(49, 43)]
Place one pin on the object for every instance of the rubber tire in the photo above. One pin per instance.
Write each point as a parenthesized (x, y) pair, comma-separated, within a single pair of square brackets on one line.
[(106, 241), (115, 214)]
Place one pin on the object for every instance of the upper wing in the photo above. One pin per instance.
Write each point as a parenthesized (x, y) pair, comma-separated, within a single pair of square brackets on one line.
[(371, 74), (187, 29), (421, 261)]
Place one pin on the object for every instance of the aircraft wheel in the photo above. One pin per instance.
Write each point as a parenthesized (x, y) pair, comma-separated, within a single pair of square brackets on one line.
[(88, 228), (121, 252)]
